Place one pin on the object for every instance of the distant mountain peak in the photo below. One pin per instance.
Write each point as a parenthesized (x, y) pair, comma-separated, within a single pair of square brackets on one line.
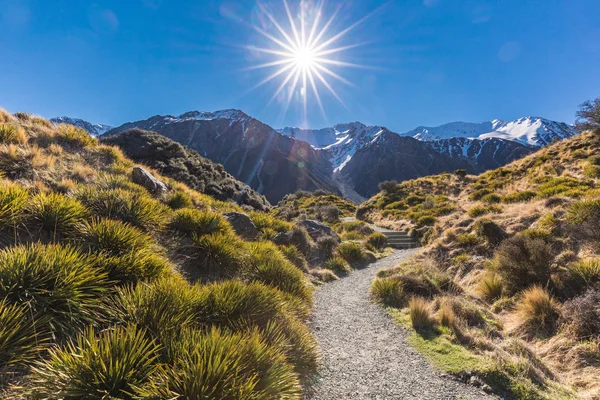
[(92, 129)]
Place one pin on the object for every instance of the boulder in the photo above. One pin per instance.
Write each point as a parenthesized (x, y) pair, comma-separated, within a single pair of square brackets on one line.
[(144, 178), (243, 225), (317, 230)]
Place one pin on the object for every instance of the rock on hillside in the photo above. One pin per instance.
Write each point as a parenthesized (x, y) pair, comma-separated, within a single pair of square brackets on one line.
[(271, 163), (185, 165)]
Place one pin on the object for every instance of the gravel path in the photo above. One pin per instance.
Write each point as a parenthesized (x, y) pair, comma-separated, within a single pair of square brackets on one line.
[(365, 355)]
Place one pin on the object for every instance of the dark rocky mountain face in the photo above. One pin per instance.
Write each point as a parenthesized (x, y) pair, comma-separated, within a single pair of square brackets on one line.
[(393, 157), (254, 153), (185, 165), (484, 154)]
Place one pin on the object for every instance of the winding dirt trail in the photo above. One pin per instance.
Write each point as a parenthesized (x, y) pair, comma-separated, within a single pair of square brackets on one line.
[(365, 355)]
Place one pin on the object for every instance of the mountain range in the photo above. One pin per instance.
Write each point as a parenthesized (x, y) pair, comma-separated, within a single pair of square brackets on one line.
[(352, 158)]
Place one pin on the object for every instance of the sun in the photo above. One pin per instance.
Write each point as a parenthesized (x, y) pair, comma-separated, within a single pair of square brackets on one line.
[(305, 53)]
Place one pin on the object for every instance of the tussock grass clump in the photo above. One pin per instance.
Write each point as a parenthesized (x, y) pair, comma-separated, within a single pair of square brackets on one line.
[(578, 276), (467, 240), (114, 238), (378, 240), (54, 281), (447, 316), (352, 252), (195, 222), (141, 211), (265, 222), (111, 364), (56, 214), (389, 292), (338, 265), (523, 261), (479, 194), (269, 266), (584, 216), (537, 312), (490, 287), (20, 337), (107, 181), (218, 255), (478, 211), (295, 256), (13, 199), (12, 134), (420, 315), (70, 135), (519, 197), (491, 198), (179, 199), (220, 365)]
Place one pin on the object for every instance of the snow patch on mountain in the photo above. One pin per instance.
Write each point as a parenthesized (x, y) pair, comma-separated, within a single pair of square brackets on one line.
[(92, 129), (530, 131)]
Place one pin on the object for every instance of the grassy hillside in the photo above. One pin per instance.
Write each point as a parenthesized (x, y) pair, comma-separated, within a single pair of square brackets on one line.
[(110, 291), (185, 165), (506, 290), (319, 205)]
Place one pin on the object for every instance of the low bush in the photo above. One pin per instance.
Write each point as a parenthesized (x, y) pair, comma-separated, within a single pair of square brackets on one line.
[(582, 315), (490, 231), (426, 220), (111, 364), (55, 214), (491, 198), (537, 312), (55, 282), (378, 240), (467, 240), (338, 265), (195, 222), (478, 211), (523, 261), (420, 315), (578, 276), (585, 217), (479, 194), (490, 287), (389, 292)]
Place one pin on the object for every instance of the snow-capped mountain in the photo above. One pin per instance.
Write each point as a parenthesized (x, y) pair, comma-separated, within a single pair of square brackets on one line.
[(92, 129), (340, 142), (530, 131)]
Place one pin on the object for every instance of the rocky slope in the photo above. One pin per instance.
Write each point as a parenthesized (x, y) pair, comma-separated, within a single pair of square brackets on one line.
[(269, 162), (185, 165)]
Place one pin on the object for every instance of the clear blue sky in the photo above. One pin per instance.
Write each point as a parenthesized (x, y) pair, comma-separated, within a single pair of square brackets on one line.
[(435, 61)]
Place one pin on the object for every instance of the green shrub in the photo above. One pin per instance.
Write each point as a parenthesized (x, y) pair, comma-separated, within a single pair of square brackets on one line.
[(564, 186), (219, 365), (14, 134), (54, 281), (519, 197), (585, 217), (338, 265), (389, 292), (110, 365), (21, 338), (139, 210), (55, 213), (478, 211), (491, 198), (377, 240), (490, 231), (352, 252), (581, 275), (13, 200), (179, 199), (264, 221), (269, 266), (426, 220), (295, 256), (195, 222), (218, 255), (523, 261)]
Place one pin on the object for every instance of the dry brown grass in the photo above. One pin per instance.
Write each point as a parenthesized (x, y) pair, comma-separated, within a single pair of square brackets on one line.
[(420, 314), (537, 312)]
